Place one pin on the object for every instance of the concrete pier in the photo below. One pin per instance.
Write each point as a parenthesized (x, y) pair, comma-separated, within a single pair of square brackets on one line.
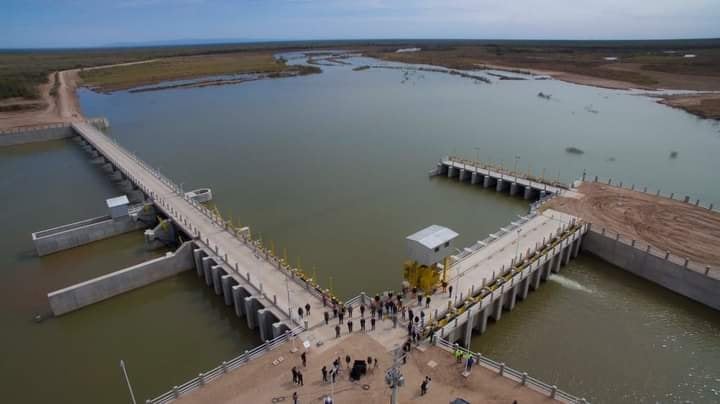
[(104, 287), (531, 187)]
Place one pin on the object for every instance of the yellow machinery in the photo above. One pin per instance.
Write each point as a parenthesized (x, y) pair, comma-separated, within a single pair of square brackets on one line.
[(426, 249)]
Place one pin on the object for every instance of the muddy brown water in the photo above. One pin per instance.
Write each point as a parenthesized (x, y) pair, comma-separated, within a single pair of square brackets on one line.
[(333, 168)]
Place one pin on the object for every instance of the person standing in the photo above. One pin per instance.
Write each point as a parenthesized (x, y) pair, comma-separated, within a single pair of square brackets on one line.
[(335, 311), (427, 302), (419, 299), (307, 309), (295, 375), (300, 312), (303, 356), (327, 317), (423, 387), (295, 397), (341, 317), (362, 324), (422, 319), (324, 373), (372, 324), (337, 331), (350, 309), (348, 360), (349, 326), (362, 310), (450, 291), (300, 378)]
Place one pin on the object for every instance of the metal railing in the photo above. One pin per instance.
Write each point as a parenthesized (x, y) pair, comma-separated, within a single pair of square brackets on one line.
[(502, 172), (520, 377), (650, 191), (224, 367), (685, 262), (468, 251), (508, 277), (240, 234)]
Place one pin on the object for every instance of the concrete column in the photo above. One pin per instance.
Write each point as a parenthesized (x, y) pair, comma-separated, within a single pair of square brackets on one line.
[(538, 274), (567, 251), (510, 297), (487, 181), (252, 305), (461, 176), (207, 263), (553, 264), (217, 272), (198, 255), (525, 287), (451, 171), (481, 321), (576, 247), (528, 192), (468, 329), (227, 284), (558, 260), (279, 328), (497, 309), (499, 185), (239, 294), (475, 178), (513, 189), (262, 324)]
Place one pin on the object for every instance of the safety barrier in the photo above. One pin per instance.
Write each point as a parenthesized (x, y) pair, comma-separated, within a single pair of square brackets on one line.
[(507, 279), (503, 173), (240, 234), (514, 375), (649, 191), (225, 367)]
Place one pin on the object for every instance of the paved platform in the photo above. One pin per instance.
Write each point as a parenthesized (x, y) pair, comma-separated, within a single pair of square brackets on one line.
[(261, 381)]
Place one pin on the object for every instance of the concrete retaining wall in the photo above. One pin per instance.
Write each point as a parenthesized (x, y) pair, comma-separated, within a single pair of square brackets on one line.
[(104, 287), (44, 133), (664, 272), (82, 232)]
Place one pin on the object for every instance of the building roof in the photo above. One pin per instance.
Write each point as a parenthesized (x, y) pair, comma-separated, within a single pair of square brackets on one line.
[(117, 201), (433, 236)]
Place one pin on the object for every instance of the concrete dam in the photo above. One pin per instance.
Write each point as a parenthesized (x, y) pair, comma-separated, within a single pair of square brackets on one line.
[(485, 279)]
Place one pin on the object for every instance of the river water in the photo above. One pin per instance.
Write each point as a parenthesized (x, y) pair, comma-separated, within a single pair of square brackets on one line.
[(333, 169)]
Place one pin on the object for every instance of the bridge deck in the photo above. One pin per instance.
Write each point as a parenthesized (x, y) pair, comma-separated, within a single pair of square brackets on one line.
[(191, 220), (471, 167)]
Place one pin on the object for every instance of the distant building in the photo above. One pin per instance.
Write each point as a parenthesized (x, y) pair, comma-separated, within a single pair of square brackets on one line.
[(430, 245), (118, 206)]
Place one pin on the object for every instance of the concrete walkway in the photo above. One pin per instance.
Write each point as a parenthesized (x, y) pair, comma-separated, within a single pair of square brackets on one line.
[(263, 275)]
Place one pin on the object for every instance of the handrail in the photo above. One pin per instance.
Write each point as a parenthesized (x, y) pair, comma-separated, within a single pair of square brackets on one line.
[(522, 269), (225, 367), (648, 191), (512, 374), (503, 171)]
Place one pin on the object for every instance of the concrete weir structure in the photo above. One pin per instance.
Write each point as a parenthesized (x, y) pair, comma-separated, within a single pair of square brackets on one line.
[(474, 172), (44, 133), (257, 284)]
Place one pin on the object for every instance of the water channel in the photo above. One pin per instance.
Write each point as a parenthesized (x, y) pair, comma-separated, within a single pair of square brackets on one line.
[(333, 168)]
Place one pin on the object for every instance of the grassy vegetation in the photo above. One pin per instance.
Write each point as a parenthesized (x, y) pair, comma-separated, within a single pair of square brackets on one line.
[(21, 71), (642, 63), (185, 67)]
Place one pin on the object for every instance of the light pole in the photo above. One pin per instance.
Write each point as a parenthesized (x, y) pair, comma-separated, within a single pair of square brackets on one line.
[(394, 378), (517, 158), (517, 246), (477, 155), (127, 380)]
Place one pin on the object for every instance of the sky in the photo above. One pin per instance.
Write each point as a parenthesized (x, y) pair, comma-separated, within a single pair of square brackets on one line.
[(70, 23)]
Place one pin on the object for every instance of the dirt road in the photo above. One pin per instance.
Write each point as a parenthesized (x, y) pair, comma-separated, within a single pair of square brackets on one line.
[(59, 108)]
